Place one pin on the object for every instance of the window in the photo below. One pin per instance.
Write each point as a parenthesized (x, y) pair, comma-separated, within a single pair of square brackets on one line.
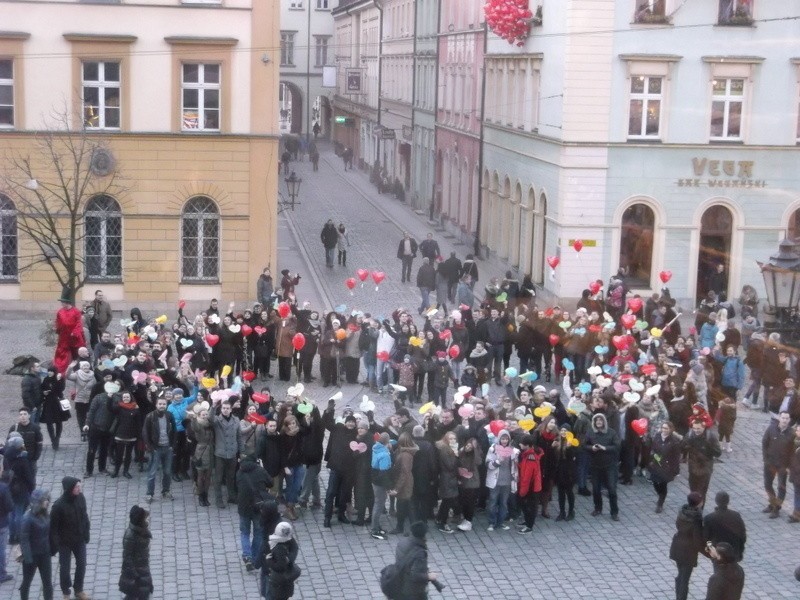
[(200, 240), (645, 106), (295, 3), (8, 239), (101, 95), (200, 95), (636, 244), (726, 108), (650, 11), (321, 49), (322, 5), (736, 12), (103, 239), (794, 227), (6, 93), (287, 48)]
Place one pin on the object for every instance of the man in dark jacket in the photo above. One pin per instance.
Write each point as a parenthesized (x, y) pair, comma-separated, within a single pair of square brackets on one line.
[(158, 435), (724, 525), (312, 443), (31, 435), (777, 446), (98, 426), (6, 510), (426, 282), (687, 542), (253, 483), (493, 333), (424, 471), (69, 534), (411, 555), (406, 252), (32, 396), (603, 445), (227, 446), (341, 462), (727, 581), (451, 269), (702, 448), (329, 237), (429, 248), (100, 311)]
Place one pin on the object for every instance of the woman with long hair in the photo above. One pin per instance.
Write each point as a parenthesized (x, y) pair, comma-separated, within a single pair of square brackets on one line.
[(403, 479)]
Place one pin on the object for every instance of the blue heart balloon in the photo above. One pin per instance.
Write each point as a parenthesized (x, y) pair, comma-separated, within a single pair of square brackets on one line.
[(609, 370), (342, 309), (108, 364), (601, 349), (567, 364), (579, 331), (609, 326), (585, 387)]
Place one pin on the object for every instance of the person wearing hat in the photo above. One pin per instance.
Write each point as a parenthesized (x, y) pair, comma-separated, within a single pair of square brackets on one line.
[(702, 447), (727, 580), (69, 329), (281, 562), (687, 542), (412, 552), (135, 580), (34, 541)]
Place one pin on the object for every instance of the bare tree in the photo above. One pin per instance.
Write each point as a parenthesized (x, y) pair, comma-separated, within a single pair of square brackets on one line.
[(51, 185)]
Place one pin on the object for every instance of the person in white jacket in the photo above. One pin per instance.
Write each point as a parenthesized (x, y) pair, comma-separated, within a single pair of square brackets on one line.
[(501, 479), (384, 351)]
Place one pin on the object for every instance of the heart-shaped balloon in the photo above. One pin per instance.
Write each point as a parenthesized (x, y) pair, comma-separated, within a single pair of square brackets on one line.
[(181, 304), (235, 328), (111, 387), (648, 369), (187, 357), (354, 445), (284, 310), (594, 287), (631, 397), (635, 304), (465, 411), (378, 276), (578, 245), (636, 385), (594, 370), (453, 351), (366, 404), (540, 412), (553, 261), (108, 364), (584, 387), (576, 407), (665, 276), (610, 370), (161, 319), (124, 323), (620, 387), (213, 319), (211, 339), (260, 330), (503, 451), (640, 426), (628, 320), (121, 361), (246, 329), (565, 325), (554, 339), (260, 398), (186, 343), (248, 375), (568, 364), (218, 395), (529, 376), (654, 390), (362, 274), (226, 370), (139, 377), (620, 341), (601, 349), (579, 331), (603, 382), (511, 372), (361, 448), (382, 355), (209, 382), (305, 408), (656, 332), (464, 473), (641, 325), (445, 335), (497, 426), (428, 406), (527, 424), (595, 328)]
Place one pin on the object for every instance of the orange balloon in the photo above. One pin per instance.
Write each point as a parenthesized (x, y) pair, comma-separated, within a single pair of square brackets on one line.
[(341, 334)]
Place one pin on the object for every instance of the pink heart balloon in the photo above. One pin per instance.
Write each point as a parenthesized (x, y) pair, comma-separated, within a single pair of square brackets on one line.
[(354, 446), (620, 388)]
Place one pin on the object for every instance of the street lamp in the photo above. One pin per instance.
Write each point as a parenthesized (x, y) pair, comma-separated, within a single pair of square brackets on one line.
[(782, 283), (293, 187)]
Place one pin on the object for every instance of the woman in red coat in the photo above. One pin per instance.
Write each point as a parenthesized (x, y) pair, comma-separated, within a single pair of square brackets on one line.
[(69, 327)]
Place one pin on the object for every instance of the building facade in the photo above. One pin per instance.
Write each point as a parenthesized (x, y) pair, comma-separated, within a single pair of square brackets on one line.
[(306, 48), (183, 111)]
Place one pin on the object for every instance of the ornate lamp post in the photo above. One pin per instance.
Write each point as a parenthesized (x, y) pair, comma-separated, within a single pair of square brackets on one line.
[(293, 187), (782, 283)]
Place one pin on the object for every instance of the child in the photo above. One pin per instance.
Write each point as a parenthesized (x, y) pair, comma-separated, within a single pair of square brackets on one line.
[(469, 378), (726, 417), (407, 371)]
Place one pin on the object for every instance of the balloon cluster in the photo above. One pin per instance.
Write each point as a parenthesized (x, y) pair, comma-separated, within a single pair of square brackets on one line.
[(509, 19)]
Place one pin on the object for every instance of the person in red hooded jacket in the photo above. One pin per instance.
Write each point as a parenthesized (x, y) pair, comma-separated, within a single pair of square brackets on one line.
[(530, 481)]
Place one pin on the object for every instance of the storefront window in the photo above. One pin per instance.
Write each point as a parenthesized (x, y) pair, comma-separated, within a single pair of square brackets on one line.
[(636, 244)]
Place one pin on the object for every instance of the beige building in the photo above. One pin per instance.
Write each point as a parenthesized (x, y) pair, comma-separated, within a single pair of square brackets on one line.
[(181, 97)]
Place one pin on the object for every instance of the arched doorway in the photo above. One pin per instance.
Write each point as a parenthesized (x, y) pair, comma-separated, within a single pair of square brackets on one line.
[(290, 108), (321, 115), (716, 231), (636, 244)]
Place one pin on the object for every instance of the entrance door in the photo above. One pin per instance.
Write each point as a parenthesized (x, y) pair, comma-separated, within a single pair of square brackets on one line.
[(716, 229)]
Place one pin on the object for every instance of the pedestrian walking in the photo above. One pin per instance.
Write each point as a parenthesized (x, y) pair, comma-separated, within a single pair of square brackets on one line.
[(158, 435), (426, 282), (286, 158), (69, 535), (470, 267), (22, 481), (777, 446), (253, 483), (687, 542), (451, 269), (725, 525), (32, 390), (412, 553), (282, 562), (794, 475), (429, 248), (702, 447), (342, 244), (347, 158), (34, 541), (406, 252), (31, 434), (314, 156), (135, 580), (330, 239), (665, 461)]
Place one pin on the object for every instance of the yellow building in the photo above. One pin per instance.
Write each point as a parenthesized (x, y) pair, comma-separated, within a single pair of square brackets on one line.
[(176, 100)]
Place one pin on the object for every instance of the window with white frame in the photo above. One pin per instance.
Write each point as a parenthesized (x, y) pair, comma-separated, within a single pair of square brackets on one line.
[(515, 100), (287, 48), (200, 93), (650, 11), (200, 240), (644, 118), (727, 105), (103, 239), (322, 5), (101, 94), (6, 92), (736, 12), (321, 49), (8, 239)]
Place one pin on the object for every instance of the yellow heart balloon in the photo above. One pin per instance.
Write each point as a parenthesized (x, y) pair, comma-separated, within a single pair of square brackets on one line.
[(541, 412), (527, 424), (656, 332), (226, 370), (209, 382), (426, 408), (161, 319), (569, 436), (574, 442)]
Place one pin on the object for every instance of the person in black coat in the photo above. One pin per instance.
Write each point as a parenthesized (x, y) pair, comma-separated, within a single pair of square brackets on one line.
[(727, 581), (253, 483), (687, 542), (281, 562), (406, 252), (269, 517), (312, 443), (69, 534), (424, 470), (135, 580), (362, 490), (35, 545), (23, 481), (341, 462), (52, 414), (566, 473), (329, 238), (665, 461), (412, 554), (725, 525)]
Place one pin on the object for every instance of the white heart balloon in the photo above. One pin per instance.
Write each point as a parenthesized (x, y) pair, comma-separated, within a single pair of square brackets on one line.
[(631, 397), (653, 391), (111, 387), (594, 370), (603, 382), (121, 361), (636, 385), (235, 328)]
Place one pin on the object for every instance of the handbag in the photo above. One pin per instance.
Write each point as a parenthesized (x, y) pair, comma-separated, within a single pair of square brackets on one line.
[(65, 405)]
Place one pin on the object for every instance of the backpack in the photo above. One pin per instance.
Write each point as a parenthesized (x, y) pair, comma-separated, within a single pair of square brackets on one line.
[(392, 579)]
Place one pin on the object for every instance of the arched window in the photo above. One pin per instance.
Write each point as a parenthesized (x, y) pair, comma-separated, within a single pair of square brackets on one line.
[(200, 240), (793, 233), (8, 239), (103, 239), (636, 244)]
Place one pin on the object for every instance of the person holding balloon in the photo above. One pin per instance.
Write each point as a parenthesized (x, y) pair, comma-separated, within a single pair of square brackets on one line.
[(502, 476)]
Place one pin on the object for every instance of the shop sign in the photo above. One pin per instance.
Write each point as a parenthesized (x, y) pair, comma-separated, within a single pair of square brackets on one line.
[(722, 174)]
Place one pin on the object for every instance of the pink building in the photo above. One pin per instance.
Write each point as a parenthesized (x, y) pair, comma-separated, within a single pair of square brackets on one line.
[(461, 43)]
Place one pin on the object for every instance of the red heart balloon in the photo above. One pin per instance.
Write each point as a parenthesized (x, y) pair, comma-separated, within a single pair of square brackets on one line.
[(648, 369), (298, 341), (635, 304), (554, 339), (284, 309), (595, 328), (212, 339), (594, 287), (454, 351), (665, 276), (578, 245), (496, 427), (628, 320), (260, 398), (445, 335), (182, 304), (553, 261), (640, 426), (362, 274), (620, 342), (260, 330), (248, 375), (378, 276), (246, 330), (382, 355), (350, 282)]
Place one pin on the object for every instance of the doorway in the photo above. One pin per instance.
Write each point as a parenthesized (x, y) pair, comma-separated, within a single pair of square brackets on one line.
[(716, 231)]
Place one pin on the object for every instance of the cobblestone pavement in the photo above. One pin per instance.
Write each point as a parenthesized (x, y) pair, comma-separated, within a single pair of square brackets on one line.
[(195, 551)]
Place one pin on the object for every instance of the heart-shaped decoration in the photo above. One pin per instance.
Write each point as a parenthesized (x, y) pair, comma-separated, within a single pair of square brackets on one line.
[(260, 398), (139, 377), (603, 382), (234, 328), (503, 451), (641, 325), (594, 287), (246, 329), (497, 426), (378, 276), (665, 276), (529, 376), (595, 328), (445, 335), (213, 319), (654, 390), (567, 364), (260, 330), (108, 364), (527, 424), (540, 412), (565, 325), (366, 404), (554, 339), (609, 370), (656, 332), (631, 397), (465, 411), (584, 387), (464, 473), (640, 426), (628, 320), (620, 342), (648, 369), (362, 447), (152, 336), (111, 387), (601, 349), (553, 261), (594, 370), (209, 382), (428, 406), (576, 407), (636, 385), (620, 387), (212, 339), (217, 395), (124, 323), (635, 304), (121, 361), (354, 445), (248, 375), (305, 408), (186, 343)]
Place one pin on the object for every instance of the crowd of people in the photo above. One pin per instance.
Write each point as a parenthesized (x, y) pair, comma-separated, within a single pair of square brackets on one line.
[(629, 395)]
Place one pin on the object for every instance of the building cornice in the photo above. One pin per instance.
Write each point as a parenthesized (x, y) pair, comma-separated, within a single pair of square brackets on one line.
[(100, 37), (188, 40), (751, 60), (14, 35), (533, 55), (650, 57)]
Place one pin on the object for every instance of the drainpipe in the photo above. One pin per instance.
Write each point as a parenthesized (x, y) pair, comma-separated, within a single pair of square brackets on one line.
[(379, 6), (477, 246), (412, 155), (308, 77), (436, 167)]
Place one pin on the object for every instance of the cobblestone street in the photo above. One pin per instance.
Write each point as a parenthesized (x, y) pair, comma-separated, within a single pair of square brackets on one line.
[(195, 551)]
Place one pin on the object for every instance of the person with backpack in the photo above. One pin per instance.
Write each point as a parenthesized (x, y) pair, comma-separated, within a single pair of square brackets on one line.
[(408, 577), (253, 483)]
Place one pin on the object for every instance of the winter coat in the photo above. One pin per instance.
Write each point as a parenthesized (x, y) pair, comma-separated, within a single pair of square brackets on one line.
[(23, 480), (702, 450), (83, 385), (725, 525), (469, 463), (313, 440), (52, 392), (100, 416), (129, 422), (403, 477), (494, 464), (708, 335), (426, 277), (777, 446), (665, 458), (604, 436), (732, 371), (282, 569), (464, 295), (338, 453), (381, 464), (794, 465), (34, 535), (270, 453), (329, 236), (203, 434), (31, 437), (69, 520), (726, 583), (31, 391), (135, 579), (253, 484), (227, 436), (291, 448), (264, 288), (286, 330), (412, 553), (251, 433), (688, 539), (401, 249), (6, 504), (150, 429), (566, 464), (530, 471), (425, 468), (470, 267), (448, 471)]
